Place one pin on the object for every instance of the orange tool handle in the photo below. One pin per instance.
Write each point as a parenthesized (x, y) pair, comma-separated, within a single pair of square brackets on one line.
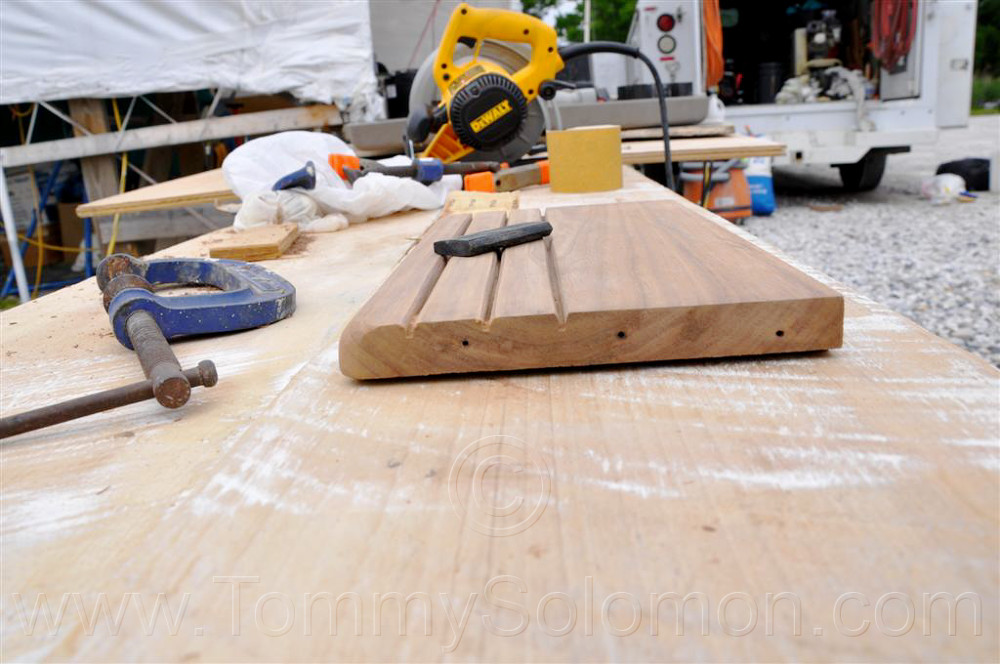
[(509, 179), (480, 182), (338, 162)]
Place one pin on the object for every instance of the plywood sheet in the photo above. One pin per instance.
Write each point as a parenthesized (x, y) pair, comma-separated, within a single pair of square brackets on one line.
[(715, 148), (871, 470), (209, 187), (617, 283)]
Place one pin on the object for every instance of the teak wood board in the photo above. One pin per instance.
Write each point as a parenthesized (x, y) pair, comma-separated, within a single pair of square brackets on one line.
[(619, 283)]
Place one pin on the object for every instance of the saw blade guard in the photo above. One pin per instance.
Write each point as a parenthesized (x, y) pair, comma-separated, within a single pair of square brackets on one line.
[(527, 56), (471, 26)]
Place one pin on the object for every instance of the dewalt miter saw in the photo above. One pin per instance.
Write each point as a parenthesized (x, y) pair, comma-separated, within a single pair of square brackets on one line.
[(489, 88)]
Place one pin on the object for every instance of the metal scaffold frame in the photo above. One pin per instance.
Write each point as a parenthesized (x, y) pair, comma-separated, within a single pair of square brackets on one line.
[(124, 140)]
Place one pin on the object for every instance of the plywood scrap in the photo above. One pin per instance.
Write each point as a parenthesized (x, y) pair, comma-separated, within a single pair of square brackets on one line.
[(476, 201), (255, 244)]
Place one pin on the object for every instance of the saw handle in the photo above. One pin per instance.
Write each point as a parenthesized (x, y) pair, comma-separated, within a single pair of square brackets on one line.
[(499, 25)]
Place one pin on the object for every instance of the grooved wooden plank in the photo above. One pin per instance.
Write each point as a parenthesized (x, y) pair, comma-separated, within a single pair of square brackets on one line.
[(524, 285), (412, 282), (662, 255), (465, 290), (398, 300), (255, 244), (631, 282)]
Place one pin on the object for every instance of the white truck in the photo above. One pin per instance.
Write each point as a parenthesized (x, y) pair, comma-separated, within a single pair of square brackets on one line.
[(927, 89)]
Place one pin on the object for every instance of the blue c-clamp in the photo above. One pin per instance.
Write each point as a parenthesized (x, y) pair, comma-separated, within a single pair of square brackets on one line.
[(249, 295)]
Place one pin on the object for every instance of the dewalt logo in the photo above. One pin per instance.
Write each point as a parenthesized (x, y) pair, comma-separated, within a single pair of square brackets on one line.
[(491, 116)]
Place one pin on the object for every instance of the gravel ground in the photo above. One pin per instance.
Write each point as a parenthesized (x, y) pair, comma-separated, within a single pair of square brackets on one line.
[(939, 265)]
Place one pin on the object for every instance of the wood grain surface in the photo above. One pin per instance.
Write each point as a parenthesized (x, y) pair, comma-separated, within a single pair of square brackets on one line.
[(622, 283), (209, 187), (716, 148), (870, 470), (261, 243)]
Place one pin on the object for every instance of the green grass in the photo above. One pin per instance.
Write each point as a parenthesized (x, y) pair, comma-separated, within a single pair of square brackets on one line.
[(986, 111), (984, 89)]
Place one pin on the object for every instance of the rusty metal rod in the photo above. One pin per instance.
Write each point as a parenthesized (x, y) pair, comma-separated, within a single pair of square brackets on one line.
[(204, 375), (158, 361)]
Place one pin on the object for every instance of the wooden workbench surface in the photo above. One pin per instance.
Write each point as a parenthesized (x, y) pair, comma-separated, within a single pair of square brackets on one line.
[(870, 470)]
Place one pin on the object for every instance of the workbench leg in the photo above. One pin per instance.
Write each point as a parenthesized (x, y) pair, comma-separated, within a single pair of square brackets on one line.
[(10, 230)]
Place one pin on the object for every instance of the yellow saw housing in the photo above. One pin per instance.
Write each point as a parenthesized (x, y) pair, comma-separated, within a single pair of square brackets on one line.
[(485, 103)]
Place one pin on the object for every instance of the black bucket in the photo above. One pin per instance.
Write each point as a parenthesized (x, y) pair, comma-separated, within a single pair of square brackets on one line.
[(770, 77)]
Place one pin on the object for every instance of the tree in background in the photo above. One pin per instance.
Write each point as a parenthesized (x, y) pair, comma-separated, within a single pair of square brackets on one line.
[(985, 84), (609, 19), (988, 37)]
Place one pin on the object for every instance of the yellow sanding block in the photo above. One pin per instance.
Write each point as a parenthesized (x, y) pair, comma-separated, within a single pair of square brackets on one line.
[(585, 159)]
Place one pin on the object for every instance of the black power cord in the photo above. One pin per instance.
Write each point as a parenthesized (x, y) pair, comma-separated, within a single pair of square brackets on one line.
[(578, 50)]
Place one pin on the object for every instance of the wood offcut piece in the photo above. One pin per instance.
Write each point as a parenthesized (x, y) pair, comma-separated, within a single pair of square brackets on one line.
[(623, 283), (255, 244), (209, 187), (476, 201)]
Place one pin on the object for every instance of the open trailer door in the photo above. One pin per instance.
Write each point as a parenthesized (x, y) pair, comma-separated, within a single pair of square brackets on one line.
[(956, 23)]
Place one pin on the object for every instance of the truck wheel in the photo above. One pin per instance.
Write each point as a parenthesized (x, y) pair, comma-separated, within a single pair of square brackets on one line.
[(864, 175)]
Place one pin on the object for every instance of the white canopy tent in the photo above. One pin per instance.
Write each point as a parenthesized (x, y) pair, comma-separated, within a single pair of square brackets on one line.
[(317, 51)]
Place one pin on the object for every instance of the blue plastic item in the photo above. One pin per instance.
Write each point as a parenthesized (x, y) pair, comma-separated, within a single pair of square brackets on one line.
[(761, 194), (761, 185), (250, 296), (304, 178), (428, 170)]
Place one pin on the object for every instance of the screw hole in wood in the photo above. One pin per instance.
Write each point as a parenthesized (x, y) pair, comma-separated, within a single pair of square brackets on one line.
[(779, 333), (621, 335)]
